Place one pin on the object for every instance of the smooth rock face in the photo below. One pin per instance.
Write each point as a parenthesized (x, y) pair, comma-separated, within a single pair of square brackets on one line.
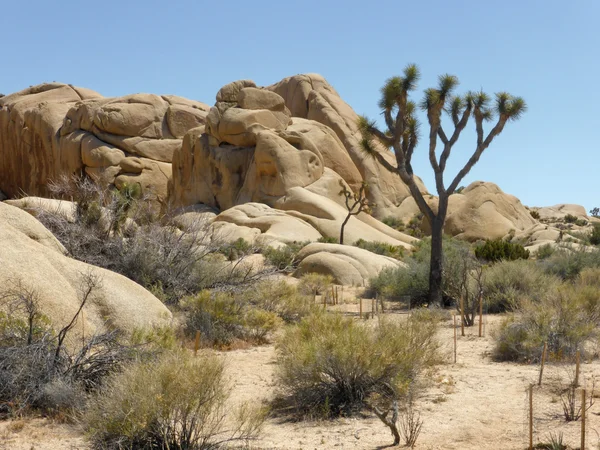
[(347, 265), (55, 129), (309, 96), (31, 254), (484, 211), (560, 211)]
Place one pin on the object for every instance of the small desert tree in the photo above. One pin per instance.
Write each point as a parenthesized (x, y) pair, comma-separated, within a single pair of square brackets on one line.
[(402, 135), (355, 204)]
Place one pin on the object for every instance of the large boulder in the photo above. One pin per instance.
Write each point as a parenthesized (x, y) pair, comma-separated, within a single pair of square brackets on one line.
[(347, 265), (310, 96), (54, 129), (32, 255)]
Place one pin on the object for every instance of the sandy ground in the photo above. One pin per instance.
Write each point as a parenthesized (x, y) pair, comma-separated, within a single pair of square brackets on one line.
[(473, 404)]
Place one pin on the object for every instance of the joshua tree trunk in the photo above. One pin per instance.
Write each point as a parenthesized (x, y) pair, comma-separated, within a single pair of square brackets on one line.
[(437, 257), (342, 229)]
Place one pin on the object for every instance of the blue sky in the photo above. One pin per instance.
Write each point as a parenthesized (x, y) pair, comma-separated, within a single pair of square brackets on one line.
[(546, 51)]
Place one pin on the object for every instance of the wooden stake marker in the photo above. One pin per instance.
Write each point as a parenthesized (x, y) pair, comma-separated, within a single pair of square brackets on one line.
[(360, 307), (454, 317), (582, 447), (197, 343), (480, 315), (543, 362), (462, 316), (531, 417)]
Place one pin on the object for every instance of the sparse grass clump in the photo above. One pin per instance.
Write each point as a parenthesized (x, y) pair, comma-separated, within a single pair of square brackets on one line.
[(284, 259), (177, 402)]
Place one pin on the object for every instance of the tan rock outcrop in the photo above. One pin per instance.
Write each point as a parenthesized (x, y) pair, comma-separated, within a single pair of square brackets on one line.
[(310, 96), (347, 265), (30, 253), (55, 129)]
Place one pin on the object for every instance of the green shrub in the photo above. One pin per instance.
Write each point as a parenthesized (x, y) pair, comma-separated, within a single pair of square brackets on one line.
[(331, 365), (381, 248), (315, 283), (507, 284), (177, 402), (394, 222), (284, 258), (328, 240), (280, 298), (570, 218), (414, 226), (412, 281), (535, 214), (545, 251), (568, 262), (566, 320), (595, 212), (236, 249), (595, 236), (499, 249)]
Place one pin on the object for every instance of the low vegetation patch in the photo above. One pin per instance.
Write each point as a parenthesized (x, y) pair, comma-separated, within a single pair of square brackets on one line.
[(500, 250), (177, 402), (330, 365), (381, 248)]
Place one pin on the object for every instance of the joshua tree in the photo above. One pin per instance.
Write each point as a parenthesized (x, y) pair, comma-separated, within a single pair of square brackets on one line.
[(402, 135), (355, 204)]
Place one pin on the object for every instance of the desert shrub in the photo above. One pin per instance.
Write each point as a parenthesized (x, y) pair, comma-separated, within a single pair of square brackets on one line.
[(394, 223), (507, 284), (567, 320), (570, 218), (545, 251), (331, 365), (284, 258), (222, 318), (280, 298), (535, 214), (39, 372), (568, 262), (315, 283), (236, 249), (498, 250), (595, 236), (595, 212), (590, 277), (328, 240), (381, 248), (412, 281), (414, 226), (177, 402)]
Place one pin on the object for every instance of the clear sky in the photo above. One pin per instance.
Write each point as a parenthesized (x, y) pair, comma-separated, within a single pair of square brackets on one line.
[(544, 50)]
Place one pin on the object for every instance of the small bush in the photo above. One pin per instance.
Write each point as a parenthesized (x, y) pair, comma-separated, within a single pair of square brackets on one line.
[(498, 250), (595, 236), (595, 212), (412, 281), (508, 283), (394, 222), (331, 365), (279, 297), (570, 218), (284, 258), (566, 320), (176, 402), (315, 283), (237, 249), (545, 251), (381, 248), (568, 262), (535, 214), (328, 240)]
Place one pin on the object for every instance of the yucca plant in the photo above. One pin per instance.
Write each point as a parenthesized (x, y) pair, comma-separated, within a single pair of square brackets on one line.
[(402, 135)]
